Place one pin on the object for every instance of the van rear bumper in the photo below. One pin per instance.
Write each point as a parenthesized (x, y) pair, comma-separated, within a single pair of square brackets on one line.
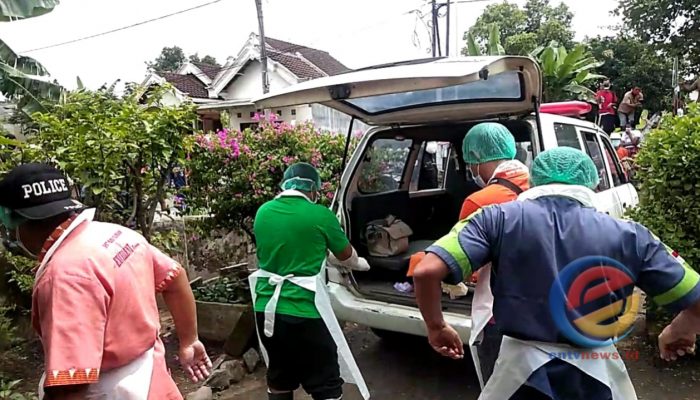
[(391, 317)]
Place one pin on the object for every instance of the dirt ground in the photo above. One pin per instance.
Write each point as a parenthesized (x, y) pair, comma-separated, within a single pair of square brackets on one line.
[(399, 372)]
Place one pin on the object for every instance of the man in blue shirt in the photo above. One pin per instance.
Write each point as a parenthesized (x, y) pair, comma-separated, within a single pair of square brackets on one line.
[(532, 245)]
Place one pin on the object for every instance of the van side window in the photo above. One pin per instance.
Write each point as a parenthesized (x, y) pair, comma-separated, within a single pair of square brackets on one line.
[(429, 171), (567, 135), (383, 165), (593, 150), (610, 157)]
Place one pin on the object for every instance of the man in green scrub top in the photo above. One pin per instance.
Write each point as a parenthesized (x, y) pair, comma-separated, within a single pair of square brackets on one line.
[(294, 236)]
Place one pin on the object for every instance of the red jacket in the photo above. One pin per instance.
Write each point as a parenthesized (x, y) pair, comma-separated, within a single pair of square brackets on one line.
[(606, 100)]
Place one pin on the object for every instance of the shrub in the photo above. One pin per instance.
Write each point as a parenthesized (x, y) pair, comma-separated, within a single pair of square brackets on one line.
[(8, 391), (233, 173), (233, 290), (7, 329), (669, 167), (118, 151)]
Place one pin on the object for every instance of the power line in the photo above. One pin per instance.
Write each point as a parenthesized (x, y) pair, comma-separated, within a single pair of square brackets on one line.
[(300, 46), (122, 28)]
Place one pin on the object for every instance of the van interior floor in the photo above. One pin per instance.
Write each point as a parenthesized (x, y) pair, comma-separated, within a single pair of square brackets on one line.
[(384, 291)]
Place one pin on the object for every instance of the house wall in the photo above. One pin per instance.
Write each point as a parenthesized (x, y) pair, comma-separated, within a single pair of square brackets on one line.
[(303, 113), (170, 99), (248, 84), (326, 118)]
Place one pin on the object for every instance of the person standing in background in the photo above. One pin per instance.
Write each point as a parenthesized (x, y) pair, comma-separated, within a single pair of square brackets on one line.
[(607, 100), (628, 107)]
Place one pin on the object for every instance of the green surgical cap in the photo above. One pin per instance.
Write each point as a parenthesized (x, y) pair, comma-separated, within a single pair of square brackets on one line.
[(488, 141), (301, 176), (564, 165)]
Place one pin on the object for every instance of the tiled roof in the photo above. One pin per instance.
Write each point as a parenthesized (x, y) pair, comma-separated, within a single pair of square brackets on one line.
[(296, 65), (208, 69), (321, 59), (188, 84)]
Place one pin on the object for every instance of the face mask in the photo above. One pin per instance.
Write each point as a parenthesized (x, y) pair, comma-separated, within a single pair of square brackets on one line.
[(476, 177)]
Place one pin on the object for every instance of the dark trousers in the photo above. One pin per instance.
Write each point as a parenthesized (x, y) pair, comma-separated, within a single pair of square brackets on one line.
[(302, 352), (488, 350), (608, 123)]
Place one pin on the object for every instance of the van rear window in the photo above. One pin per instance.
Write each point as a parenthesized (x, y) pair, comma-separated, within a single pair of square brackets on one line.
[(506, 86), (383, 166)]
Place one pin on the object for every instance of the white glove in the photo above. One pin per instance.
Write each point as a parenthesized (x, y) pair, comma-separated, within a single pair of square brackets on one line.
[(354, 263), (362, 264)]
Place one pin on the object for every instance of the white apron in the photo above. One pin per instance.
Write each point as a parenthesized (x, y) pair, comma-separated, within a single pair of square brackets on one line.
[(482, 312), (518, 359), (129, 382), (348, 368)]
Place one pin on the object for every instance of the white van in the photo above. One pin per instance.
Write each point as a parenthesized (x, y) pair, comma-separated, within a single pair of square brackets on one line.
[(410, 105)]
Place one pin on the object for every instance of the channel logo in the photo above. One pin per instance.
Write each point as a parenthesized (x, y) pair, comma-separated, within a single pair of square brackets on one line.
[(593, 301)]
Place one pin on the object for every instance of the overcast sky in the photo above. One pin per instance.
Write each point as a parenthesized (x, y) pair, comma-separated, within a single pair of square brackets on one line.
[(356, 32)]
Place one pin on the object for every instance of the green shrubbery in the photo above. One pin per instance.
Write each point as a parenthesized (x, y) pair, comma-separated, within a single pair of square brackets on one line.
[(669, 183)]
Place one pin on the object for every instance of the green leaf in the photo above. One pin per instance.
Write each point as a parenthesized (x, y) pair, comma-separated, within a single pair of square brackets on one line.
[(11, 10), (472, 47), (494, 44)]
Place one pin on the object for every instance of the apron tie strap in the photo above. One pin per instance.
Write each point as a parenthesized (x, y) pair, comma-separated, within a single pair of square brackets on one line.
[(277, 282)]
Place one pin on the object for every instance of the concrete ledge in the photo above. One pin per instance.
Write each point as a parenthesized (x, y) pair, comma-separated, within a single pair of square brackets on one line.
[(216, 321)]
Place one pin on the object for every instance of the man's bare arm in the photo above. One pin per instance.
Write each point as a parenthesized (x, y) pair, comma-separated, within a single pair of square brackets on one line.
[(180, 302), (429, 273), (679, 337)]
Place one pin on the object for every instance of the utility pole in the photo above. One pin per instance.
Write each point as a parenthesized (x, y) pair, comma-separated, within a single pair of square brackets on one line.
[(434, 15), (263, 47), (447, 31)]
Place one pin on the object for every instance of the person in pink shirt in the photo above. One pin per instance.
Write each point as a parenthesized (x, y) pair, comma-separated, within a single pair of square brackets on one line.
[(94, 299)]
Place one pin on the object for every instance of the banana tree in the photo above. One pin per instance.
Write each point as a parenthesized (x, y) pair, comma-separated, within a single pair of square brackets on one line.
[(23, 78), (493, 46), (566, 73), (12, 10)]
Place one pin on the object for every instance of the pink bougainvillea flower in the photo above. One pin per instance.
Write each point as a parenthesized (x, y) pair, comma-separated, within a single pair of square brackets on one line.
[(329, 195), (223, 137), (235, 149)]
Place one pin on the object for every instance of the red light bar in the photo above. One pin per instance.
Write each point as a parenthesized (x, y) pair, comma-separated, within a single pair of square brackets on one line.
[(567, 108)]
